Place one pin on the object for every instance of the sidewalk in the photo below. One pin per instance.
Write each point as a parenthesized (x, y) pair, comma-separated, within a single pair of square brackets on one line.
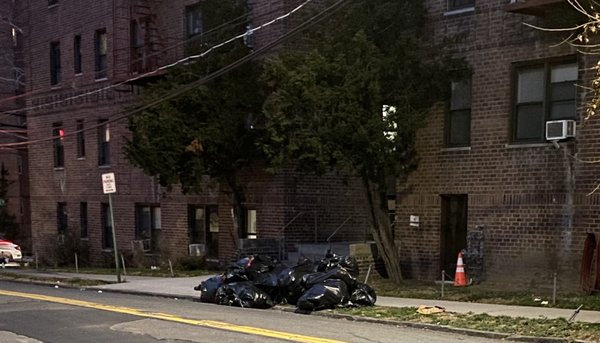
[(183, 288)]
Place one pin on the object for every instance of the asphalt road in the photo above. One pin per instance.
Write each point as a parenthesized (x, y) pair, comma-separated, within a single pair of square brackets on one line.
[(32, 314)]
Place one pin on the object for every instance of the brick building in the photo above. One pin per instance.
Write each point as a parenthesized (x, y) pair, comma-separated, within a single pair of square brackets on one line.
[(80, 55), (12, 121), (488, 180)]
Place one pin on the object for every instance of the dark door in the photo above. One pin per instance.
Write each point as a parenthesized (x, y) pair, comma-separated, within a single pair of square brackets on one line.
[(453, 230)]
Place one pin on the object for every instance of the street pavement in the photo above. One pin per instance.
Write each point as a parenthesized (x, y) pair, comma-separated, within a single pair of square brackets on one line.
[(183, 288)]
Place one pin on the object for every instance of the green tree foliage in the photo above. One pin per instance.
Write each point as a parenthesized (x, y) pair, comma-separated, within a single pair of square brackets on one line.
[(210, 130), (325, 111), (8, 225)]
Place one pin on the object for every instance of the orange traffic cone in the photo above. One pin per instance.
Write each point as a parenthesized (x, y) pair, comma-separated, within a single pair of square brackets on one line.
[(460, 278)]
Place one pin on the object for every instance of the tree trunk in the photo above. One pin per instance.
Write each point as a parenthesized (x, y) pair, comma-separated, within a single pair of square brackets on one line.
[(382, 231)]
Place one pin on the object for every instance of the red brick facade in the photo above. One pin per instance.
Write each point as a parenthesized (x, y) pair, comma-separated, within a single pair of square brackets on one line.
[(286, 204), (528, 199)]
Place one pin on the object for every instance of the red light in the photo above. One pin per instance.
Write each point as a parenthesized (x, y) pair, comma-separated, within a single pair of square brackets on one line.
[(61, 134)]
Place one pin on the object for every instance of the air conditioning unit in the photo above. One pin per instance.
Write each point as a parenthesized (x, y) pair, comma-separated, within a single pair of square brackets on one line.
[(560, 129), (197, 249), (140, 245), (60, 239)]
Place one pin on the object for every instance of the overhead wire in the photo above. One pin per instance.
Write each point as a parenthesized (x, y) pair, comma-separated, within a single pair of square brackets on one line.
[(313, 20)]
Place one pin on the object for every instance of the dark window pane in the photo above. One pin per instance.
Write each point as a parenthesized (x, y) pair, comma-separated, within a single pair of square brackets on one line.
[(77, 55), (531, 85), (563, 109), (460, 128), (193, 20), (54, 63), (458, 4), (461, 95), (58, 147), (83, 219), (61, 217), (101, 51), (530, 122), (104, 144), (80, 139)]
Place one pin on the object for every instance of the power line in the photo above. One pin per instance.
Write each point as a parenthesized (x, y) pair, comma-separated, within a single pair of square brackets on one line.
[(315, 19)]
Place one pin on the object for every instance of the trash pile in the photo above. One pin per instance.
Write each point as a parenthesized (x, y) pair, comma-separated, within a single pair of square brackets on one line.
[(259, 282)]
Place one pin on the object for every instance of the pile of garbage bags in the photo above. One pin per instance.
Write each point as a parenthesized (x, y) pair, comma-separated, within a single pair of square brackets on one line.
[(259, 282)]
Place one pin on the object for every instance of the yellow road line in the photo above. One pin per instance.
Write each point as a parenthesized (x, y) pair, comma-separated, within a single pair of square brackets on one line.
[(173, 318)]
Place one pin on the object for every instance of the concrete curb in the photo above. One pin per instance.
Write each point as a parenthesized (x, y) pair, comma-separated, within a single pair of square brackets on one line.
[(432, 327)]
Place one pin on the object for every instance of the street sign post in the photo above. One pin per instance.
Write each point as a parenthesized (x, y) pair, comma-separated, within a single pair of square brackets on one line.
[(109, 186)]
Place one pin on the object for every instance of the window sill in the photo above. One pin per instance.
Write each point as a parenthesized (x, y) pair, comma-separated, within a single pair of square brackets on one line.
[(105, 166), (59, 168), (527, 145), (461, 148), (78, 74), (55, 87), (101, 79), (84, 239), (82, 158), (53, 5), (459, 11)]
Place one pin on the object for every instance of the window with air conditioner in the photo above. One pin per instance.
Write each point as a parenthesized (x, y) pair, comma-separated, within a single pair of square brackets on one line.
[(543, 92)]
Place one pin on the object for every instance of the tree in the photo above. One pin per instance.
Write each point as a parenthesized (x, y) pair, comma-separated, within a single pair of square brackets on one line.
[(326, 107), (8, 225), (210, 130)]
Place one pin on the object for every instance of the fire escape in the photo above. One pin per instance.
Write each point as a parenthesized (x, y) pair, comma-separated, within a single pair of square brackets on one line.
[(138, 47)]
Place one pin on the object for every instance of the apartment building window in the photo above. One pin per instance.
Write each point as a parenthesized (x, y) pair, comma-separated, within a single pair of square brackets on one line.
[(460, 4), (101, 53), (543, 92), (458, 118), (104, 143), (77, 55), (80, 139), (52, 2), (83, 219), (193, 16), (61, 217), (148, 224), (106, 223), (54, 63), (249, 224), (59, 149)]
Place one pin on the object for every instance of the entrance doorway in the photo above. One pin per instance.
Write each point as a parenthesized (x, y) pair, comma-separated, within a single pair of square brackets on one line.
[(204, 228), (453, 230)]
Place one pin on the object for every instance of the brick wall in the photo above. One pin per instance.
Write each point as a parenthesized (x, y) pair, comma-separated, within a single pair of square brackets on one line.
[(277, 198), (530, 199)]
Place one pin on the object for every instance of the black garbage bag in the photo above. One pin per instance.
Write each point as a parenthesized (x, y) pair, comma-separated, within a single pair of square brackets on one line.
[(259, 264), (268, 282), (348, 262), (339, 273), (208, 288), (328, 294), (363, 295), (290, 281), (235, 273), (243, 294)]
